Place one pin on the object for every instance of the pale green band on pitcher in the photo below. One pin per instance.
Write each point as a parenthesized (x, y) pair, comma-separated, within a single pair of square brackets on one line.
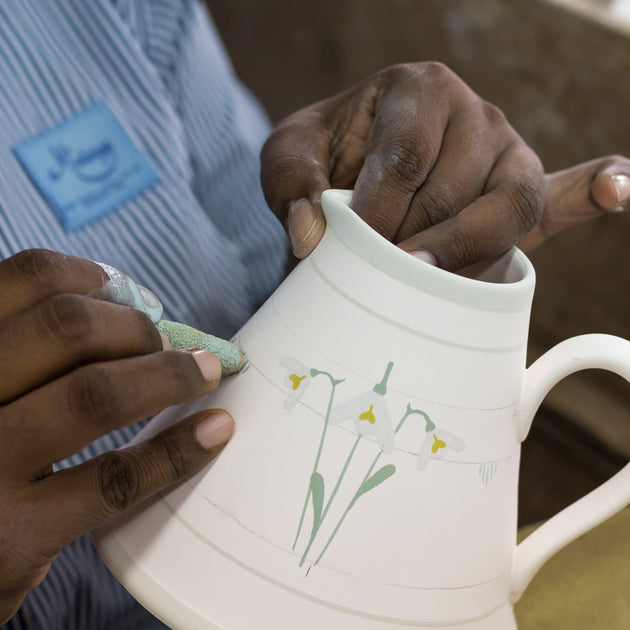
[(508, 286)]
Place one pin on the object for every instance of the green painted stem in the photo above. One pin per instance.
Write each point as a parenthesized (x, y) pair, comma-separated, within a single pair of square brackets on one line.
[(341, 476), (332, 496), (343, 516), (334, 384), (430, 426)]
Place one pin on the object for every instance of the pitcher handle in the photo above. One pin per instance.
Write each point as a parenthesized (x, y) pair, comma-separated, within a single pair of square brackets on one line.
[(578, 353)]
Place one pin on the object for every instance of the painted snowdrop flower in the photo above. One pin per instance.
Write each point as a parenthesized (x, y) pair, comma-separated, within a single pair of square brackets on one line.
[(436, 444), (369, 413), (297, 379)]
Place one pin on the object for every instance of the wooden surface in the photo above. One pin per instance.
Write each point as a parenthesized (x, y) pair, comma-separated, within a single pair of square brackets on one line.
[(585, 586)]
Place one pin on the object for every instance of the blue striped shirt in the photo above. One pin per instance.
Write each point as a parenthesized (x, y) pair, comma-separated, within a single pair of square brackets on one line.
[(201, 237)]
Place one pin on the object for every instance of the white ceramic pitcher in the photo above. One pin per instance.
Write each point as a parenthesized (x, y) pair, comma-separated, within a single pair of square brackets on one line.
[(371, 483)]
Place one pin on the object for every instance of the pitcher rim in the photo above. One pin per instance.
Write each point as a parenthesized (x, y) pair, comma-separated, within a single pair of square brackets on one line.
[(364, 241)]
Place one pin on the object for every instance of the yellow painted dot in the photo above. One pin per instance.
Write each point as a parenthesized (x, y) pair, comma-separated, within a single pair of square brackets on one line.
[(296, 380), (368, 415), (437, 445)]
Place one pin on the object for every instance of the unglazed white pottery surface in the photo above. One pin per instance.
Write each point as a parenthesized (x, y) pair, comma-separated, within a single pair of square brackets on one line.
[(372, 479)]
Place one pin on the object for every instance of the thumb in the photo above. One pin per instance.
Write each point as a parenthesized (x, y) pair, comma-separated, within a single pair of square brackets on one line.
[(295, 170), (582, 192)]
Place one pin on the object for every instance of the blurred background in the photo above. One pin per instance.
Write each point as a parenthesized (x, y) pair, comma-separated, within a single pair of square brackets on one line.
[(559, 69)]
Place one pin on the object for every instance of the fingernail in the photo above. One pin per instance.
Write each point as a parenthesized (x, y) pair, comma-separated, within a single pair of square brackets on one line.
[(152, 306), (208, 363), (303, 223), (214, 430), (121, 289), (166, 344), (425, 256), (621, 184)]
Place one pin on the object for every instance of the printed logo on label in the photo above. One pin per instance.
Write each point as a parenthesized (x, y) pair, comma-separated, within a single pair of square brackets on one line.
[(86, 167)]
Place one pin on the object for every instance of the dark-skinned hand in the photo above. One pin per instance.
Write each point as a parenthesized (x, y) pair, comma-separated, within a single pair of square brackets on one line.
[(434, 168), (75, 368)]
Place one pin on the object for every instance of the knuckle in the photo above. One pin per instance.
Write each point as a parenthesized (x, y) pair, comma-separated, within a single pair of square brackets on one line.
[(422, 214), (182, 374), (440, 77), (66, 318), (526, 201), (420, 74), (93, 399), (462, 247), (434, 205), (145, 332), (383, 224), (173, 463), (395, 72), (118, 482), (492, 114), (37, 266), (438, 71), (404, 164)]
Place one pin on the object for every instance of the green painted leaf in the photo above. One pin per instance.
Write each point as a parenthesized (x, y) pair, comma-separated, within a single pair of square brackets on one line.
[(317, 496), (381, 475)]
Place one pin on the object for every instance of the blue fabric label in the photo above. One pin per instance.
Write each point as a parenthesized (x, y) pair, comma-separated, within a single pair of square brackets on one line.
[(86, 167)]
